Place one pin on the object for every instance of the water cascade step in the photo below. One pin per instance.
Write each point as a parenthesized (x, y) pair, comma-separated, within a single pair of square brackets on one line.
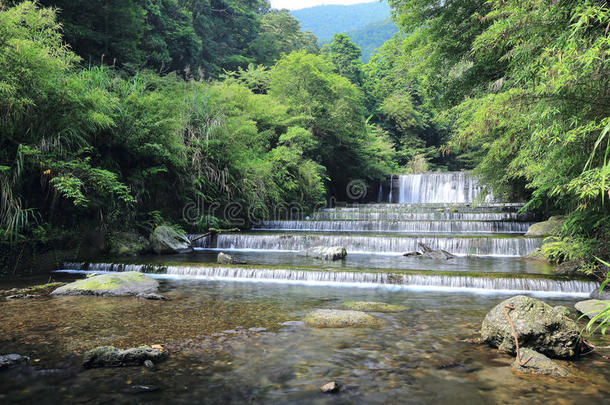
[(413, 280), (451, 187), (372, 243)]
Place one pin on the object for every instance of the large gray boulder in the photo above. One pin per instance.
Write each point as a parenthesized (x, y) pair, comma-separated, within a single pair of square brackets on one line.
[(166, 240), (550, 227), (538, 326), (536, 363), (325, 253), (111, 284), (591, 308), (110, 356), (604, 295)]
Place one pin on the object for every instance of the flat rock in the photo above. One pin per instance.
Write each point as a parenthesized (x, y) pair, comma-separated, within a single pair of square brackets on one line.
[(373, 306), (130, 283), (538, 325), (325, 253), (590, 308), (536, 363), (335, 318), (9, 360), (110, 356)]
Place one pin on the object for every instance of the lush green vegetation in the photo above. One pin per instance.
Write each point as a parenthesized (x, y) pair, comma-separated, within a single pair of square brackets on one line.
[(110, 147), (517, 91)]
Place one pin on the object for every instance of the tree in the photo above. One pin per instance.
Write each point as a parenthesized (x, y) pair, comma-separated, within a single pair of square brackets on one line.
[(345, 55)]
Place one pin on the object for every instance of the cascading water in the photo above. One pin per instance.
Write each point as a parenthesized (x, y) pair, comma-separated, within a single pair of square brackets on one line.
[(451, 187), (510, 285), (391, 188)]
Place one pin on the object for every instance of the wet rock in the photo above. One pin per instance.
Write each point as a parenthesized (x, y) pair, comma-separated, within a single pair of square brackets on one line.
[(604, 295), (154, 297), (9, 360), (293, 323), (257, 329), (141, 389), (224, 258), (166, 240), (373, 306), (590, 308), (550, 227), (331, 387), (335, 318), (538, 326), (149, 364), (110, 356), (413, 253), (112, 284), (325, 253), (429, 253), (536, 363), (128, 244)]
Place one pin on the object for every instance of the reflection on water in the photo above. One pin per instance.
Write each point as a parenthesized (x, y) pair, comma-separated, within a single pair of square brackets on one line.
[(415, 356)]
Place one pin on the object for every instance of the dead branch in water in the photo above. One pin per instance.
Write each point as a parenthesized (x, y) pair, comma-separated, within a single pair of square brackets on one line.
[(213, 231), (512, 327)]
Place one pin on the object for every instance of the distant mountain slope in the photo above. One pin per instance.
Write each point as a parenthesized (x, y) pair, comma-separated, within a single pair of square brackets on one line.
[(325, 21), (372, 36), (367, 24)]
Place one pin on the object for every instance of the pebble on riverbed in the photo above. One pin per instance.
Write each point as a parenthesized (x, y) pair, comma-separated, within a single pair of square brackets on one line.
[(331, 387)]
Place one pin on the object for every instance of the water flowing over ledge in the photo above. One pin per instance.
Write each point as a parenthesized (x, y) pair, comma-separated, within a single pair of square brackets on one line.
[(373, 244), (404, 280), (451, 187)]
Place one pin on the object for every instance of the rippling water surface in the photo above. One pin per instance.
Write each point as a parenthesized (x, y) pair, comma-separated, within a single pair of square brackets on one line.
[(415, 356)]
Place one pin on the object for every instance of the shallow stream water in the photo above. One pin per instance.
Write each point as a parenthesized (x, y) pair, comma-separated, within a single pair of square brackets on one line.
[(415, 356)]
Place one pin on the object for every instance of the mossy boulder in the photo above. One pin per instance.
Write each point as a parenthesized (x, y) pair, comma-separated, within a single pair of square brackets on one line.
[(110, 356), (111, 284), (373, 306), (550, 227), (335, 318), (166, 240), (536, 363), (591, 308), (538, 326), (128, 244)]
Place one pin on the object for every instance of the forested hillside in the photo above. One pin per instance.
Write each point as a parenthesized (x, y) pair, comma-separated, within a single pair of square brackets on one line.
[(367, 24)]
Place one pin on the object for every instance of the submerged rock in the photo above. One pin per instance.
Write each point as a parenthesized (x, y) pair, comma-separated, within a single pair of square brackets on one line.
[(536, 363), (550, 227), (111, 284), (153, 296), (110, 356), (165, 240), (538, 326), (9, 360), (335, 318), (429, 253), (331, 387), (325, 253), (373, 306), (591, 308)]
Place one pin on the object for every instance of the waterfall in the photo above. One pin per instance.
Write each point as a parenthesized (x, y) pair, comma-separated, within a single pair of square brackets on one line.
[(508, 285), (373, 244), (391, 187), (380, 193), (450, 187)]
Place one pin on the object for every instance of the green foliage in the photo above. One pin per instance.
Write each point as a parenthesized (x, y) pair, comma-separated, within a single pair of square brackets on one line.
[(345, 55)]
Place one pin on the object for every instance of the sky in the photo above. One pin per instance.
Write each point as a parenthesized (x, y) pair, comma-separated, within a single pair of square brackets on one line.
[(297, 4)]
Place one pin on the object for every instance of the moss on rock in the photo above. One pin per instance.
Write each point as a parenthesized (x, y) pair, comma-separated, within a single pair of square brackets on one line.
[(335, 318), (113, 284), (373, 306)]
